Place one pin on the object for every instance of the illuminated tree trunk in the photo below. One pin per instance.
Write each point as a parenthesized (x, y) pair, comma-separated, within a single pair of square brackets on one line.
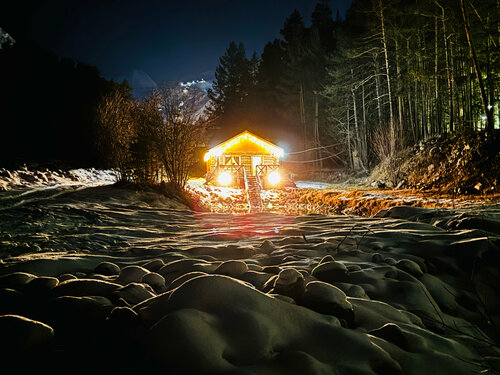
[(303, 117), (388, 75), (484, 99), (437, 128), (377, 91)]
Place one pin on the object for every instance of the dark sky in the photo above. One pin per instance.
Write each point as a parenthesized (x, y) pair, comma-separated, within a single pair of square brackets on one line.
[(170, 40)]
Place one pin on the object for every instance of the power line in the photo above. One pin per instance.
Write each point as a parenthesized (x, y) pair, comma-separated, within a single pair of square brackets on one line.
[(311, 149), (312, 161)]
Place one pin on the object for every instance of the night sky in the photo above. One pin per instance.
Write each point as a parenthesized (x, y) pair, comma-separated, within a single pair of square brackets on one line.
[(169, 40)]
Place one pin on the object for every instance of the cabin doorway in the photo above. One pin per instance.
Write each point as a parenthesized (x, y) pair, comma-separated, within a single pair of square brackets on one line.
[(256, 160)]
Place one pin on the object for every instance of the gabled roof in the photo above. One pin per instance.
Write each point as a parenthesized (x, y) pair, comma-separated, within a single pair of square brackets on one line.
[(245, 136)]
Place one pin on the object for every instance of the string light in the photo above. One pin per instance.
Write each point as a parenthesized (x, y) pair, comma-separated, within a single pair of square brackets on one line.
[(245, 136)]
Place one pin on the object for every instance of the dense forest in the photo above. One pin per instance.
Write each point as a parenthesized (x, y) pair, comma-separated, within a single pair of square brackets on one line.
[(357, 90)]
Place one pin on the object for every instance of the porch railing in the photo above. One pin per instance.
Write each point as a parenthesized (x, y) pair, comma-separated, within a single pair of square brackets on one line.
[(234, 169), (265, 169)]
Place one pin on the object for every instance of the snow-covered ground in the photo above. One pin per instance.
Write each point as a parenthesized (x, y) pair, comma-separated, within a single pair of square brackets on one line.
[(139, 282), (313, 185), (32, 179)]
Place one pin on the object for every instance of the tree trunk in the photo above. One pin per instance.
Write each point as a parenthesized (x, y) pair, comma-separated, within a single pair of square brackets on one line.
[(437, 128), (377, 91), (388, 75), (484, 99), (449, 72), (303, 117)]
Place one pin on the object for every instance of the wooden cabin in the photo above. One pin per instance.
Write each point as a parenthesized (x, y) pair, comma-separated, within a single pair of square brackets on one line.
[(243, 158)]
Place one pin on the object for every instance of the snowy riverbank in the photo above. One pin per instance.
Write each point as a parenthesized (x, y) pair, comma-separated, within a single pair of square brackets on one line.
[(133, 281), (31, 179)]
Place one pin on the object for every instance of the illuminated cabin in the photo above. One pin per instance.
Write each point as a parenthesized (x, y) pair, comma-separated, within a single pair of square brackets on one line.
[(242, 159)]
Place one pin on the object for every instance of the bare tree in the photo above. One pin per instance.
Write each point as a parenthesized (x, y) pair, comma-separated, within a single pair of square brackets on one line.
[(178, 132), (116, 131)]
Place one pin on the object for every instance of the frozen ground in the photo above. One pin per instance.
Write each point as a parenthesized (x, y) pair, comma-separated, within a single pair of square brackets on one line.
[(312, 185), (110, 279), (24, 179)]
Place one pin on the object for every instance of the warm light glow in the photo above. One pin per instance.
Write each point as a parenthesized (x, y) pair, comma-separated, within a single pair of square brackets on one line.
[(274, 178), (224, 178), (207, 156), (218, 151)]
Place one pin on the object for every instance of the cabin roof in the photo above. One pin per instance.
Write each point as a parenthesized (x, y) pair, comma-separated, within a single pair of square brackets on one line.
[(242, 141)]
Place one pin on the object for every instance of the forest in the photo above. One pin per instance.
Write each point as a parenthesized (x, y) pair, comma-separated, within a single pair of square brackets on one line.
[(356, 91)]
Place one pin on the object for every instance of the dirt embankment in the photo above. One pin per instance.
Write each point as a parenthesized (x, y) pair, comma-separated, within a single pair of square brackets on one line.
[(457, 164), (362, 202)]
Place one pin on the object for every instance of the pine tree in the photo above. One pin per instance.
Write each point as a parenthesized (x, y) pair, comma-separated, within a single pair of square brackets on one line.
[(233, 81)]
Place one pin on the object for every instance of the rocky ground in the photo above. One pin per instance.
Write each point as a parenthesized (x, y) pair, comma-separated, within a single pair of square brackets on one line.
[(456, 164), (107, 279)]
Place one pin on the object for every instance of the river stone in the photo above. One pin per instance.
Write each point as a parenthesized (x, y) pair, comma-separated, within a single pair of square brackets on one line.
[(327, 258), (289, 282), (134, 293), (107, 269), (183, 278), (410, 266), (41, 285), (12, 301), (131, 274), (66, 276), (392, 332), (377, 258), (327, 299), (154, 265), (15, 280), (123, 317), (267, 247), (330, 272), (20, 334), (390, 261), (357, 291), (178, 266), (233, 268), (257, 279), (85, 287), (155, 280), (271, 269)]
